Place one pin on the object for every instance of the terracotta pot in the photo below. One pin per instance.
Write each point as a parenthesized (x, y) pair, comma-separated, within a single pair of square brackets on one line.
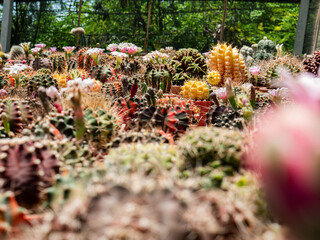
[(204, 107), (175, 89)]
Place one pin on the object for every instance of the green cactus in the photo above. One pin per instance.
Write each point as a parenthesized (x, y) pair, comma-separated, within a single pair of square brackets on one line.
[(159, 77), (101, 73), (203, 146), (59, 63), (266, 48), (41, 81)]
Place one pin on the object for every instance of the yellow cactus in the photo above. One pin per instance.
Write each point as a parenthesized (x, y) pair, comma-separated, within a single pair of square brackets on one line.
[(197, 90), (214, 78), (61, 79), (228, 62)]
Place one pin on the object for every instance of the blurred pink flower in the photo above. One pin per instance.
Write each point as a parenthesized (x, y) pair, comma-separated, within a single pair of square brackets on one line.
[(40, 45), (52, 92), (222, 94), (53, 49), (131, 50), (254, 70), (277, 95), (69, 49), (124, 49), (35, 50)]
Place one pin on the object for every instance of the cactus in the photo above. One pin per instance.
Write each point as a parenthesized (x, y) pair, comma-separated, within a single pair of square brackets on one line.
[(17, 115), (265, 50), (214, 78), (76, 73), (204, 146), (225, 117), (4, 81), (159, 77), (228, 62), (58, 63), (28, 167), (71, 64), (41, 81), (196, 90), (188, 63), (101, 73), (312, 63), (143, 137), (171, 119), (16, 53), (100, 126), (129, 67), (39, 63), (43, 71), (113, 89), (247, 53)]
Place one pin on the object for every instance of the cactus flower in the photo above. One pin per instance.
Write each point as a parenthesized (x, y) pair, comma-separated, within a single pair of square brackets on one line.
[(230, 94), (40, 45), (131, 50), (94, 53), (35, 51), (52, 92), (124, 49), (69, 49), (286, 155), (254, 71), (277, 95), (53, 49)]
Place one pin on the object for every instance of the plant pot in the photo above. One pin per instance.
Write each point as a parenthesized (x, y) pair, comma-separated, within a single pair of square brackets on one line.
[(203, 107), (175, 89)]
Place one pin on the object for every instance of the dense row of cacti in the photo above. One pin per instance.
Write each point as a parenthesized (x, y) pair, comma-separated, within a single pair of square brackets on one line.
[(84, 133)]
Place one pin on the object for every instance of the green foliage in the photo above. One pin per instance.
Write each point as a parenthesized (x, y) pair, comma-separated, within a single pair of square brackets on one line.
[(181, 24)]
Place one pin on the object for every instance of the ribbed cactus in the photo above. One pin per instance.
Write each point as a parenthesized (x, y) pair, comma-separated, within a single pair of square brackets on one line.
[(28, 167), (4, 81), (228, 62), (196, 90), (169, 119), (113, 89), (100, 126), (159, 77), (39, 63), (101, 73), (15, 115), (203, 146), (71, 64), (59, 63)]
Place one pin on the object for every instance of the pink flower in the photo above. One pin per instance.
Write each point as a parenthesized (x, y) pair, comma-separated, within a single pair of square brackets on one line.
[(131, 50), (35, 50), (52, 92), (285, 153), (277, 95), (222, 94), (40, 45), (3, 93), (23, 61), (69, 49), (124, 49), (53, 49), (254, 70)]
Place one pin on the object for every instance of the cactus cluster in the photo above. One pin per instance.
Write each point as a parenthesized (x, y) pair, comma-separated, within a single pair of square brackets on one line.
[(28, 167), (266, 48), (228, 62), (196, 90), (113, 89), (214, 78), (312, 63), (188, 63), (159, 77)]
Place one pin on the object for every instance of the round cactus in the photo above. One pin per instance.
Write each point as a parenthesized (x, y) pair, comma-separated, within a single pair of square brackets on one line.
[(41, 81), (214, 78), (28, 167), (203, 146), (196, 90), (101, 73), (113, 89)]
